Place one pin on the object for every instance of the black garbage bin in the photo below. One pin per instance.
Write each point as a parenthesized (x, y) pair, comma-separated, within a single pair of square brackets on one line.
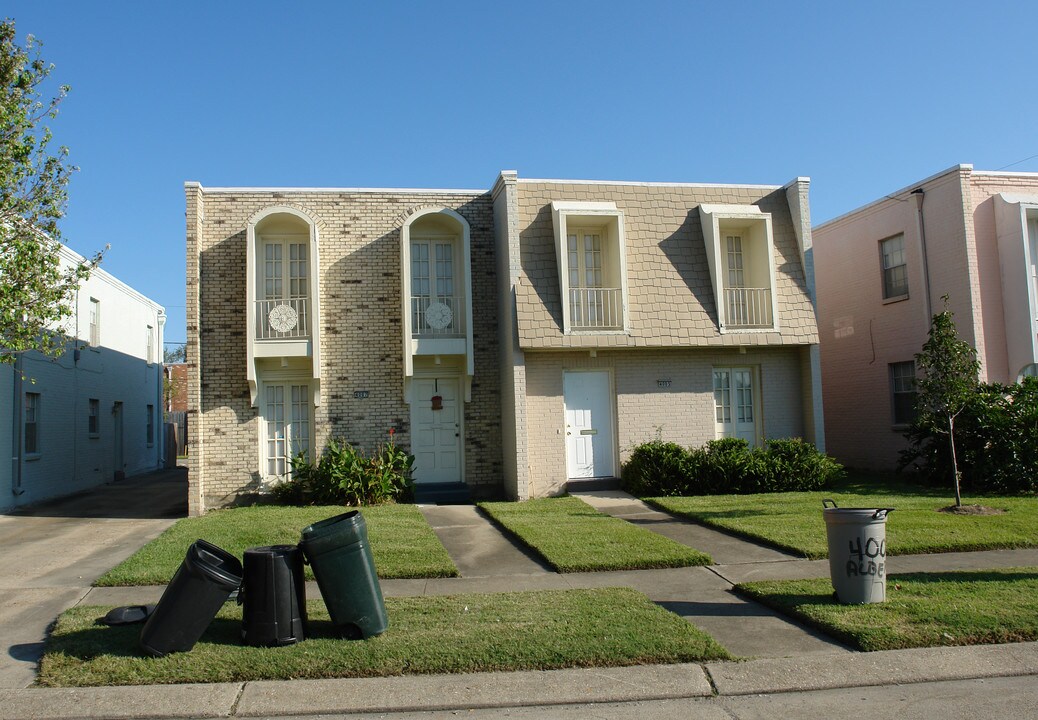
[(338, 551), (201, 585), (273, 596)]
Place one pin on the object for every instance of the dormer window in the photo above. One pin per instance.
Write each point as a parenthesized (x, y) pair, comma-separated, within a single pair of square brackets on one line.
[(740, 256), (592, 270)]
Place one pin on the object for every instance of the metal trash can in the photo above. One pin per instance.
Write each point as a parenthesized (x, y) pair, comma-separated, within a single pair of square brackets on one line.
[(857, 552), (338, 551), (273, 596), (202, 584)]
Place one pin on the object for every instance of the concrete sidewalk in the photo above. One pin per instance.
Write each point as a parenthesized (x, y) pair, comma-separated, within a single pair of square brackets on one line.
[(787, 657)]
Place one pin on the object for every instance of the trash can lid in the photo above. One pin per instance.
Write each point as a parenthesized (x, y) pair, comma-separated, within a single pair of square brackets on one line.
[(219, 565)]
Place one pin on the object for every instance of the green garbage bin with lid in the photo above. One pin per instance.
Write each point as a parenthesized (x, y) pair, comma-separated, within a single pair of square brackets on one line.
[(857, 539), (339, 552)]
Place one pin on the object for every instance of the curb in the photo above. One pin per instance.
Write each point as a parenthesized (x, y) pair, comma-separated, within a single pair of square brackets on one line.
[(416, 693)]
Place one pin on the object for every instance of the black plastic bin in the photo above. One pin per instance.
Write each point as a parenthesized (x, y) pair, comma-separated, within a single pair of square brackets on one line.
[(273, 596), (338, 551), (201, 585)]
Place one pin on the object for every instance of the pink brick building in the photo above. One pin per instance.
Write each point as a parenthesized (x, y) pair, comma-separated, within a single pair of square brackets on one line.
[(516, 340), (882, 271)]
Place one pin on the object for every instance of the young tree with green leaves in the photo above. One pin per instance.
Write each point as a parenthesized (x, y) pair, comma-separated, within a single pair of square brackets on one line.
[(36, 292), (949, 369)]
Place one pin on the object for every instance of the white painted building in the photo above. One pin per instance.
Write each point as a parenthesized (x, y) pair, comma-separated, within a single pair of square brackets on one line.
[(94, 414)]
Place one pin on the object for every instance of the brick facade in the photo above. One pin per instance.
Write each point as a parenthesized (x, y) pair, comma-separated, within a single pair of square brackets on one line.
[(360, 288), (513, 442)]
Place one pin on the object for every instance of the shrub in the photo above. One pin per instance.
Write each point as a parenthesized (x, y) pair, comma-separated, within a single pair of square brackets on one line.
[(727, 466), (342, 475), (995, 436), (657, 468)]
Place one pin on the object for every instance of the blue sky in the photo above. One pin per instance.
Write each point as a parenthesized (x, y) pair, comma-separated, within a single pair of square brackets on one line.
[(864, 98)]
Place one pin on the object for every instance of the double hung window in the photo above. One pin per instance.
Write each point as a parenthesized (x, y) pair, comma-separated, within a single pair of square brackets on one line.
[(903, 392), (895, 270)]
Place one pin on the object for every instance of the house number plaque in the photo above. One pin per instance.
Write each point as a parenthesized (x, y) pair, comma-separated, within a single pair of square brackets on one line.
[(360, 394), (663, 383)]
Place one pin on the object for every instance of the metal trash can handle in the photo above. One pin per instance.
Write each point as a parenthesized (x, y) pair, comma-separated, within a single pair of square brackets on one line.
[(827, 502), (882, 513)]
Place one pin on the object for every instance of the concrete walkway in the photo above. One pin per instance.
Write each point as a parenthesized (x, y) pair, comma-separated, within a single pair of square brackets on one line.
[(788, 658), (53, 552)]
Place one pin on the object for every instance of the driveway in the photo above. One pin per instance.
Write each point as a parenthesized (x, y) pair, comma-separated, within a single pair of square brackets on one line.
[(54, 551)]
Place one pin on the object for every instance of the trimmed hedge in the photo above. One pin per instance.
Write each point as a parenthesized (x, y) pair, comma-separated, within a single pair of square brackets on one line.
[(727, 466)]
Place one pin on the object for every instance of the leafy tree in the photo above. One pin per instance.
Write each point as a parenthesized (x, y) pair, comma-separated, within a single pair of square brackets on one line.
[(175, 354), (948, 384), (36, 293)]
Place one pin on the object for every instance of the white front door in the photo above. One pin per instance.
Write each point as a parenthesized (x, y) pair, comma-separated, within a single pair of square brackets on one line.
[(589, 424), (286, 432), (735, 404), (436, 430)]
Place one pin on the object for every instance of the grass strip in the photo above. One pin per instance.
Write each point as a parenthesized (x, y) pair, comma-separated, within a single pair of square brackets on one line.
[(921, 610), (462, 633), (793, 521), (574, 537), (402, 543)]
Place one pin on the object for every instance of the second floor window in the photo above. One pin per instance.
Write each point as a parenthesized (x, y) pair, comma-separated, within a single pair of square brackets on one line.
[(895, 271), (95, 322), (283, 293), (150, 346), (592, 305), (434, 306)]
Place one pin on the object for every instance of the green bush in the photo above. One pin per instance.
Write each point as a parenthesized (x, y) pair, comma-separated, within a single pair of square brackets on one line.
[(727, 466), (996, 434), (652, 460), (342, 475)]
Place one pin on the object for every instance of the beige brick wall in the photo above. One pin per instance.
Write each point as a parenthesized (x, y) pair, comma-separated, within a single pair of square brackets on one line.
[(683, 412), (671, 301), (359, 236)]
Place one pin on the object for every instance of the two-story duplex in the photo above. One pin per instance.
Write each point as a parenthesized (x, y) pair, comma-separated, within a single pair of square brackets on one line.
[(515, 340), (882, 271)]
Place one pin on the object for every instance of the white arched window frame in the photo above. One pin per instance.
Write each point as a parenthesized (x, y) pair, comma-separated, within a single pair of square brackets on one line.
[(464, 263), (251, 297)]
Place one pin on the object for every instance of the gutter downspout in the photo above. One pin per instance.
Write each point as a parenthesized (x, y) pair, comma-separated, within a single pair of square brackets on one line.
[(920, 196), (16, 429)]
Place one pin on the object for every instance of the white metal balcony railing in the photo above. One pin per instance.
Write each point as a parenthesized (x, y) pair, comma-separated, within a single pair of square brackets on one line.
[(437, 316), (596, 309), (748, 308), (283, 319)]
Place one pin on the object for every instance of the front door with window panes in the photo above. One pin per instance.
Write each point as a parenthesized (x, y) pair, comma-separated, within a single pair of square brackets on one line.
[(735, 409), (588, 305), (434, 306), (285, 281), (286, 421)]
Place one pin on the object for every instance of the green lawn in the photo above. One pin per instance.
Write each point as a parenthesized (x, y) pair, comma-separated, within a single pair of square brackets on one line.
[(573, 537), (462, 633), (793, 521), (402, 543), (921, 610)]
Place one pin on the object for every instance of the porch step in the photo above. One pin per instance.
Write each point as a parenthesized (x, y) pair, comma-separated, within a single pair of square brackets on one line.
[(448, 493), (598, 483)]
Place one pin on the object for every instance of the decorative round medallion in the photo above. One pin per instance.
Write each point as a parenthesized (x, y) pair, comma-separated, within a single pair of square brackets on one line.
[(282, 318), (438, 316)]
